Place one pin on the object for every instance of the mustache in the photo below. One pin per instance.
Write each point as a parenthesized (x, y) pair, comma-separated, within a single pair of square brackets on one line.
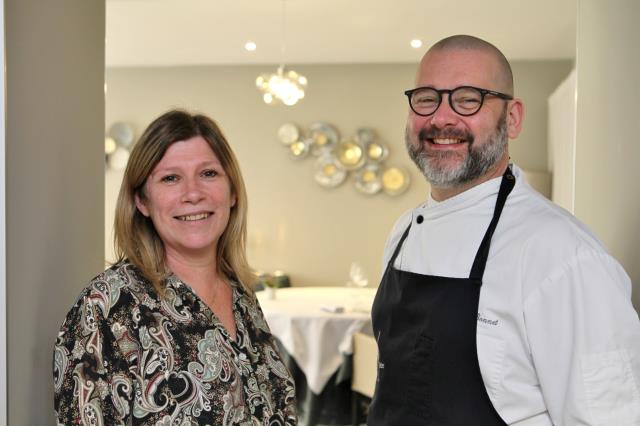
[(448, 133)]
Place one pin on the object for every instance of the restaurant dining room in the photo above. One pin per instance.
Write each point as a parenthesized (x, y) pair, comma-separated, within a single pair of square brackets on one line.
[(310, 98)]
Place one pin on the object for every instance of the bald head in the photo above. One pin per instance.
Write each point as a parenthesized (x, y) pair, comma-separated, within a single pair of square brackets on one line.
[(467, 42)]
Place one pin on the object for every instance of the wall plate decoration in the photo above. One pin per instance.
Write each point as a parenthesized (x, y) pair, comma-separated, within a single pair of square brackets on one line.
[(117, 143), (323, 137), (328, 174), (300, 148), (122, 133), (350, 155), (365, 135), (395, 180), (369, 179), (288, 133), (362, 156), (376, 152)]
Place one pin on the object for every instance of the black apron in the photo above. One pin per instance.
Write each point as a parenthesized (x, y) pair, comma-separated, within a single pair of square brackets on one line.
[(428, 371)]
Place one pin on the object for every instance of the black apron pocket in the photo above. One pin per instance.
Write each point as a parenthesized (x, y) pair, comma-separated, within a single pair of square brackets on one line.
[(420, 374)]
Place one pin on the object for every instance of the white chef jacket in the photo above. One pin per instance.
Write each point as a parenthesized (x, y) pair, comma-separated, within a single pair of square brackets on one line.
[(558, 338)]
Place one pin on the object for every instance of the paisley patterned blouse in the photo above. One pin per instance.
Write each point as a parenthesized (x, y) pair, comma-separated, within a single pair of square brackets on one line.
[(124, 356)]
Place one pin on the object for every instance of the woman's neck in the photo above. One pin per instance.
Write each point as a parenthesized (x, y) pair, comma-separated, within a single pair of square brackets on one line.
[(202, 275), (198, 273)]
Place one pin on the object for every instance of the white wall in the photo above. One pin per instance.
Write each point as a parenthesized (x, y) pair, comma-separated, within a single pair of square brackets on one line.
[(607, 146), (294, 224), (55, 176), (562, 142)]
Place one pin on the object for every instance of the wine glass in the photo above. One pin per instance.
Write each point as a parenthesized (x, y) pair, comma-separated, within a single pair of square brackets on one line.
[(357, 279)]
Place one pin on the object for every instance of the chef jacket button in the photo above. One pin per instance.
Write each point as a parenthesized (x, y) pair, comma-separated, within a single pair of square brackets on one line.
[(419, 219)]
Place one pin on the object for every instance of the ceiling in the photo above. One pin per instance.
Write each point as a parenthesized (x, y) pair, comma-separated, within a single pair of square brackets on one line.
[(195, 32)]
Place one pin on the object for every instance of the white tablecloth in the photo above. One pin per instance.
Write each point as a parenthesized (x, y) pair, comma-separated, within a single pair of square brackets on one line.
[(315, 338)]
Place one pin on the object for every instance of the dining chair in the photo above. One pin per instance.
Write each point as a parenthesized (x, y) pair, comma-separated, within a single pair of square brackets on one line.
[(363, 380)]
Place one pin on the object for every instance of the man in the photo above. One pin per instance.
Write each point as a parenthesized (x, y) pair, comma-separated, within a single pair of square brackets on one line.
[(496, 306)]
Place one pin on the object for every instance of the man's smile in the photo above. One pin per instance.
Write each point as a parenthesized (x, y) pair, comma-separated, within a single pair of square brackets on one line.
[(444, 137), (446, 141)]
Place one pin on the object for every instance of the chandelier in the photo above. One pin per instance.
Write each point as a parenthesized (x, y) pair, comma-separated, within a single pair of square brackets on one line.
[(284, 86)]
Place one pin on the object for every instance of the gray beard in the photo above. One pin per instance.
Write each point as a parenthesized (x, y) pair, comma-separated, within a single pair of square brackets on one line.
[(477, 163)]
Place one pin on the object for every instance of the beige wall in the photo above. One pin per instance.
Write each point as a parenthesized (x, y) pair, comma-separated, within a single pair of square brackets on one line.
[(54, 176), (295, 225), (534, 82), (607, 146)]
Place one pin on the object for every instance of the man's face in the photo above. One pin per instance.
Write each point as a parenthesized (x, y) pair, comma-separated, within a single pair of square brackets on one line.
[(453, 150)]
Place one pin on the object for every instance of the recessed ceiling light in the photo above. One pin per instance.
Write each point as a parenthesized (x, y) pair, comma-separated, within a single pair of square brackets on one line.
[(416, 44), (250, 46)]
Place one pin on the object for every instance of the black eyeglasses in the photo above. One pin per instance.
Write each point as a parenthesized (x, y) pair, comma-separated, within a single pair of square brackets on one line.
[(464, 100)]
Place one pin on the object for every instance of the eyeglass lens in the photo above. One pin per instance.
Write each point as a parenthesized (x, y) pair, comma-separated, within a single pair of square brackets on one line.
[(464, 100)]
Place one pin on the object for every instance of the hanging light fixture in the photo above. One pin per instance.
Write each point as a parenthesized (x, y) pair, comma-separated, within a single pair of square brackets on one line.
[(282, 86)]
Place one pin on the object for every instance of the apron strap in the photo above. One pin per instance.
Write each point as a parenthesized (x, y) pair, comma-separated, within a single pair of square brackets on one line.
[(479, 263), (398, 247)]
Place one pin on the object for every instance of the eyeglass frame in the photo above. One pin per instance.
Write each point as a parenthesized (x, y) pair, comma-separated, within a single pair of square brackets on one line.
[(483, 92)]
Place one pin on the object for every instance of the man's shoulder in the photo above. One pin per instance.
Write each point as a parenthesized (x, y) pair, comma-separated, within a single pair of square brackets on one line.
[(401, 225), (538, 218), (549, 241), (397, 230), (402, 222)]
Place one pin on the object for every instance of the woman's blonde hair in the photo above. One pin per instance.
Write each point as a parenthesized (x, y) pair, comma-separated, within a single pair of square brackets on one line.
[(135, 238)]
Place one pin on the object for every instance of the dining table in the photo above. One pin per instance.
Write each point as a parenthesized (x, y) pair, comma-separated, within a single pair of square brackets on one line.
[(314, 327)]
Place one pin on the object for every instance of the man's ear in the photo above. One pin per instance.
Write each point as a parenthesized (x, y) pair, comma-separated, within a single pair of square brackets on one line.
[(515, 117), (141, 206)]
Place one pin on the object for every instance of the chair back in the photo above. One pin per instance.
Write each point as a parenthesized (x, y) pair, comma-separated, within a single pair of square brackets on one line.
[(365, 360)]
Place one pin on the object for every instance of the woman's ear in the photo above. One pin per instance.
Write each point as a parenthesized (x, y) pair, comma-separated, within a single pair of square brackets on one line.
[(141, 206)]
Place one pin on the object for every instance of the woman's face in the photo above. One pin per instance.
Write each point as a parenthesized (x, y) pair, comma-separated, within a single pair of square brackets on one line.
[(188, 198)]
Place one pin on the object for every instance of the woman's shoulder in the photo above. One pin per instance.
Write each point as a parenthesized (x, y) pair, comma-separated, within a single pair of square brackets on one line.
[(119, 276), (115, 291)]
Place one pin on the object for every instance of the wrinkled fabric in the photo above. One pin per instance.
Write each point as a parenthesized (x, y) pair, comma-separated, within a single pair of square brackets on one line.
[(126, 356), (558, 340)]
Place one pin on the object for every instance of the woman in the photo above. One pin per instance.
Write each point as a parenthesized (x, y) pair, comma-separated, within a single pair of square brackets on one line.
[(172, 334)]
